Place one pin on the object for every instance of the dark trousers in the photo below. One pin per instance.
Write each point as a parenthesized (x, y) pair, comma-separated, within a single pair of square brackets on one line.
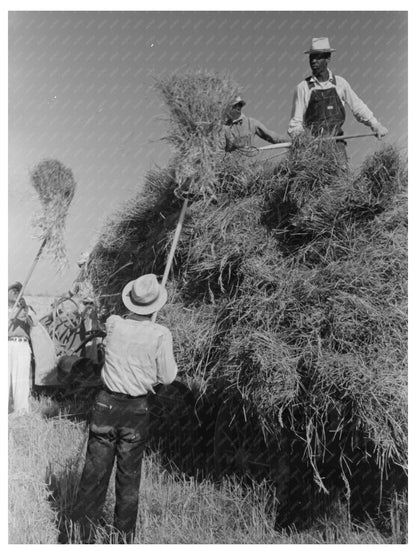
[(118, 429)]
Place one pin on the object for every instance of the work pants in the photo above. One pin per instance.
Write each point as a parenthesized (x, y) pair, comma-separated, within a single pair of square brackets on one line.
[(118, 429), (20, 357)]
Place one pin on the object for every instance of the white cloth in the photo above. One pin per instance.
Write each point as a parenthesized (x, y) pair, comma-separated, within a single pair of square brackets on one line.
[(302, 96), (19, 375), (138, 355)]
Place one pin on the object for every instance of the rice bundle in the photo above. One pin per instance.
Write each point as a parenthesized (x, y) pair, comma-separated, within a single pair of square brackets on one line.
[(196, 102), (290, 286), (55, 186)]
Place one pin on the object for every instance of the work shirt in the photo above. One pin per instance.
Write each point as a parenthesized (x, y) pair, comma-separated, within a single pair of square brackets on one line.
[(21, 324), (138, 355), (240, 133), (347, 96)]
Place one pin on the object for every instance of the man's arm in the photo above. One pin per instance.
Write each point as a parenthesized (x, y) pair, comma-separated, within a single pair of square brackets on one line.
[(299, 105), (265, 134), (165, 360), (360, 110), (28, 313)]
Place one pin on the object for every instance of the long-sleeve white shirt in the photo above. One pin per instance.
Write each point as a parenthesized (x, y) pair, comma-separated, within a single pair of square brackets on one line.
[(138, 355), (347, 96)]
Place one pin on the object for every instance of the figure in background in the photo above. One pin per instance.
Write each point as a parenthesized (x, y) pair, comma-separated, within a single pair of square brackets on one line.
[(21, 320)]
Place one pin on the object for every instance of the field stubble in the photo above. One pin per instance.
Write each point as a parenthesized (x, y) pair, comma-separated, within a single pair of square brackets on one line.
[(45, 461)]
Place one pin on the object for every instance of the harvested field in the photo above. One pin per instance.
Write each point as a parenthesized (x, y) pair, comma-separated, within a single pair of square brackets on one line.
[(46, 453)]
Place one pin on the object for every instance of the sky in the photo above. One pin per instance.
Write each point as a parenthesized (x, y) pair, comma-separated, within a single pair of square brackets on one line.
[(81, 89)]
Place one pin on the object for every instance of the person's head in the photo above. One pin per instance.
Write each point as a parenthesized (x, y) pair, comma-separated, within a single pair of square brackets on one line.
[(319, 62), (14, 290), (235, 107), (319, 55), (144, 295)]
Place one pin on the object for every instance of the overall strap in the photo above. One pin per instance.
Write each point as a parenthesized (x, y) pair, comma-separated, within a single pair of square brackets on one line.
[(311, 83)]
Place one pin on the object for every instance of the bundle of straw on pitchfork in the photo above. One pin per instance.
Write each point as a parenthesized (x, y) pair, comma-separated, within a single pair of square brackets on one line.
[(55, 185)]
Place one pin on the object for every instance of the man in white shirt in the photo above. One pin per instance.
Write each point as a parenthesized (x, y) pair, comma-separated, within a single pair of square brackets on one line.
[(138, 355), (319, 100)]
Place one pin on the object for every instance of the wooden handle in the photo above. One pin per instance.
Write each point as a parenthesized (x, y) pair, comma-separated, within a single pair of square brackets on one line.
[(338, 137), (29, 275), (173, 249)]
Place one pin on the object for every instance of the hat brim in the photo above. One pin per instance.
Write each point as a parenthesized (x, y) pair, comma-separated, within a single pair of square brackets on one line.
[(16, 285), (320, 51), (241, 103), (143, 309)]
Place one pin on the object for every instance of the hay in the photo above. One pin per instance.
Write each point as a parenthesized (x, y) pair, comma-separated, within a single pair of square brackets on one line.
[(290, 284), (196, 102), (55, 186)]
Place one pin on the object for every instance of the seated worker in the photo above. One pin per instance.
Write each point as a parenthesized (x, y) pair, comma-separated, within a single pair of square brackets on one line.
[(240, 130), (21, 320), (138, 355), (318, 101)]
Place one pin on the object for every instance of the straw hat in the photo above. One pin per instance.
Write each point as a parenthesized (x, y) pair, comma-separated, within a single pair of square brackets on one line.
[(238, 100), (16, 285), (320, 45), (144, 295)]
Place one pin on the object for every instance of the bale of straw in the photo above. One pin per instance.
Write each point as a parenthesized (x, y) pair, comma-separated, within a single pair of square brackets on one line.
[(55, 185)]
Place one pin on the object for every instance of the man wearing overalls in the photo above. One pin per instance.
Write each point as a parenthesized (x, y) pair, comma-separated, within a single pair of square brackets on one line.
[(240, 130), (319, 100)]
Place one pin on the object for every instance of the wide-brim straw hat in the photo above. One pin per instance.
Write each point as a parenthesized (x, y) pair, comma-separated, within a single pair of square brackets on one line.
[(144, 295), (320, 45)]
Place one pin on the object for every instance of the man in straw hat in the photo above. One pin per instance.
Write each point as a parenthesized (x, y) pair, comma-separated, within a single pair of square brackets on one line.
[(240, 130), (319, 100), (138, 355), (20, 352)]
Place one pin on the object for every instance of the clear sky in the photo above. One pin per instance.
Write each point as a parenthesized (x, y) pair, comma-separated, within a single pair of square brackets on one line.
[(80, 90)]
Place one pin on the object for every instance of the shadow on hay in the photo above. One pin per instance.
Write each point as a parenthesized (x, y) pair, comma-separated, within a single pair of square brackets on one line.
[(214, 435)]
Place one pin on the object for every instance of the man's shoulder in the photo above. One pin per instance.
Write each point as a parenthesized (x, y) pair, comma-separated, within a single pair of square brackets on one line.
[(163, 330), (253, 122), (303, 84), (339, 80), (158, 329), (113, 318)]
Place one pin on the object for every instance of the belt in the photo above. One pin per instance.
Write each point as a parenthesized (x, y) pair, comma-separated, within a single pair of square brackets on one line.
[(24, 339), (122, 395)]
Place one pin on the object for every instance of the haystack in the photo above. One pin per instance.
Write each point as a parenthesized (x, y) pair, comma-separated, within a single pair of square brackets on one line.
[(288, 284)]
